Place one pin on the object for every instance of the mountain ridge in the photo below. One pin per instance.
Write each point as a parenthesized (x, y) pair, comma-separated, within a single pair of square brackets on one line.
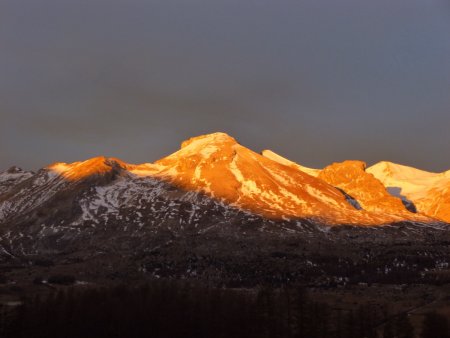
[(214, 211), (268, 184)]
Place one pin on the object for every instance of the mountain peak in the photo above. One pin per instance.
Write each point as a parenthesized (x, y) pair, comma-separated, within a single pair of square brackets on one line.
[(14, 170), (204, 148), (95, 166), (216, 164), (351, 177), (213, 138), (385, 169), (428, 191)]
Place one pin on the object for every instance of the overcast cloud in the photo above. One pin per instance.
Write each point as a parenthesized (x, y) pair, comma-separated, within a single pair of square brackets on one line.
[(316, 81)]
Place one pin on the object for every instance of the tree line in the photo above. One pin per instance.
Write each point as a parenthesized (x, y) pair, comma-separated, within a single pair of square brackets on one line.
[(163, 309)]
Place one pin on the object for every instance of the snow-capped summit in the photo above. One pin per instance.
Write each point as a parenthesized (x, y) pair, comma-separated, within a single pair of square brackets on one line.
[(217, 165), (429, 192), (202, 141)]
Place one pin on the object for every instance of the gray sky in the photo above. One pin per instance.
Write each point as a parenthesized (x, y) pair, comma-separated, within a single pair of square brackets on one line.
[(316, 81)]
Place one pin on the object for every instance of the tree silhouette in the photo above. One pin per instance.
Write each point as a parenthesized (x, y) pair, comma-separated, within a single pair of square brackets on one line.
[(162, 309), (435, 326)]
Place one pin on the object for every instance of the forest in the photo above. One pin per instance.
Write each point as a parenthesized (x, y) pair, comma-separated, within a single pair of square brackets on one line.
[(167, 308)]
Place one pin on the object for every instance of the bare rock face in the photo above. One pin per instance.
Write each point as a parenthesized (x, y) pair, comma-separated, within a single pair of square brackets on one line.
[(438, 204), (11, 177), (351, 177), (14, 170)]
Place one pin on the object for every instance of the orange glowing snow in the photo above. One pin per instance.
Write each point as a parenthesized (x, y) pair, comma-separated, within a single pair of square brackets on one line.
[(266, 184)]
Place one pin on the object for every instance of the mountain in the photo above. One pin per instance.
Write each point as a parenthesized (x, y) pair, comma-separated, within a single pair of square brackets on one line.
[(364, 189), (221, 168), (426, 192), (216, 167), (214, 210)]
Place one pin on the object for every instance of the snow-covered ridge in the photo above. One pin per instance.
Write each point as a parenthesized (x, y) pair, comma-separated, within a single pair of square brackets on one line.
[(282, 160), (428, 191)]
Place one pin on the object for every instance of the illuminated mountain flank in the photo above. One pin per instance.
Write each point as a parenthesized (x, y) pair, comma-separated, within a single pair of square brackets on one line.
[(219, 168)]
